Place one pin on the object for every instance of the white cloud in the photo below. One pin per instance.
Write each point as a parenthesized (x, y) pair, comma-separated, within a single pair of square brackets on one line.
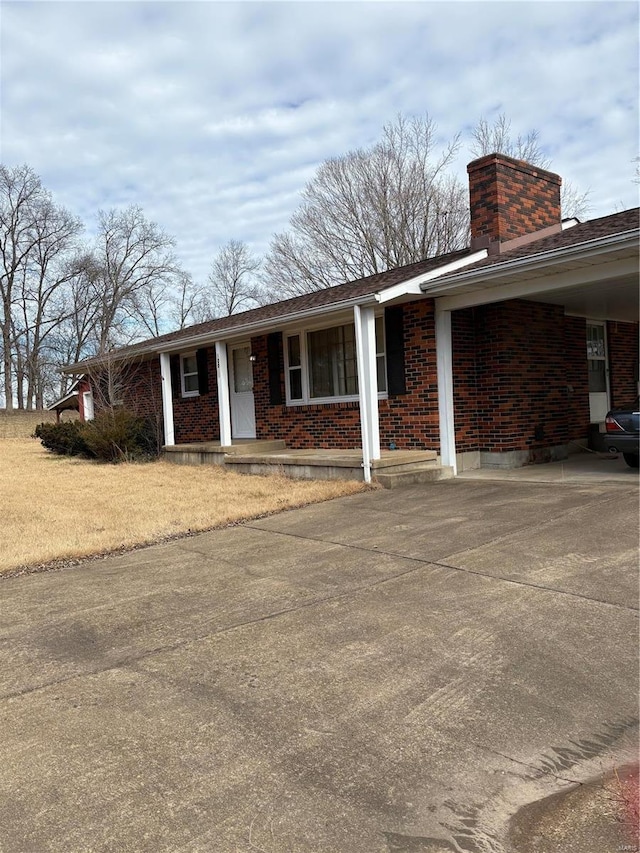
[(212, 116)]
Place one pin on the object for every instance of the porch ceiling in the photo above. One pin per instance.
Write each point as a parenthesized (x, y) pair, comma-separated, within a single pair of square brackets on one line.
[(599, 287), (611, 300)]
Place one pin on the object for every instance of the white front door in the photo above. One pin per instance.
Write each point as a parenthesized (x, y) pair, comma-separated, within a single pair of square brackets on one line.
[(598, 371), (243, 413)]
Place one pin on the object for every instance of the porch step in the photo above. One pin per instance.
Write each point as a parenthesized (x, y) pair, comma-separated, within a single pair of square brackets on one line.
[(408, 475), (393, 460), (395, 468), (299, 464)]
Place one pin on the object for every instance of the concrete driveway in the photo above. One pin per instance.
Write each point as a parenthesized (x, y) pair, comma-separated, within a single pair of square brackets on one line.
[(394, 671)]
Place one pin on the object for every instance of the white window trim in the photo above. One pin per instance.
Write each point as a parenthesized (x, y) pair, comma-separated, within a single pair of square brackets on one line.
[(307, 399), (183, 392)]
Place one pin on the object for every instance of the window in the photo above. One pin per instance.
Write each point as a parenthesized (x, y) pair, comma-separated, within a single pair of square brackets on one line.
[(322, 365), (294, 368), (332, 362), (189, 375), (381, 356)]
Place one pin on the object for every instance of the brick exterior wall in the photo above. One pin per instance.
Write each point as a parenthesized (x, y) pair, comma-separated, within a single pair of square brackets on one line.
[(520, 383), (409, 421), (577, 378), (524, 374), (196, 418), (509, 198), (622, 339), (510, 388)]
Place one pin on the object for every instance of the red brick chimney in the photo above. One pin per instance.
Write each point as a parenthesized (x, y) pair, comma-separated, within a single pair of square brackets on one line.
[(511, 199)]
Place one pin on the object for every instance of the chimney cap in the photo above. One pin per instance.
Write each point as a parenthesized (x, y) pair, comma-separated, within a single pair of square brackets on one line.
[(512, 163)]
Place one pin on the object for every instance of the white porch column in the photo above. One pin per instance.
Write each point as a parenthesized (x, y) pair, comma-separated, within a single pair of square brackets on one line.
[(365, 323), (224, 407), (167, 398), (444, 355)]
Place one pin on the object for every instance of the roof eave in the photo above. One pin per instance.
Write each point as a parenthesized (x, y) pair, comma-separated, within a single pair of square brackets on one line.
[(539, 260), (409, 287), (195, 341)]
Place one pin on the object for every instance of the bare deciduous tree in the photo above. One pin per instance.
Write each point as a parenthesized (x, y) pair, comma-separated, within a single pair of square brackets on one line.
[(75, 336), (497, 138), (36, 239), (50, 268), (135, 266), (20, 191), (370, 210), (233, 285), (189, 304)]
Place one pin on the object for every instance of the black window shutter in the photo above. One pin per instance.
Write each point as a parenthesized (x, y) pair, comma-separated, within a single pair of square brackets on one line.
[(394, 345), (203, 371), (274, 347), (176, 385)]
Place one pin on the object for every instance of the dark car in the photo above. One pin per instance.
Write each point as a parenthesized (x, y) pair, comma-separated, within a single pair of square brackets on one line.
[(623, 433)]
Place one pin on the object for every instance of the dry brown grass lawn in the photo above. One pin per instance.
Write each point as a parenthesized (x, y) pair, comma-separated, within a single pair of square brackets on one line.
[(59, 508)]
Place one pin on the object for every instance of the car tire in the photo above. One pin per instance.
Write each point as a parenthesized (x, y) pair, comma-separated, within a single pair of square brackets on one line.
[(631, 459)]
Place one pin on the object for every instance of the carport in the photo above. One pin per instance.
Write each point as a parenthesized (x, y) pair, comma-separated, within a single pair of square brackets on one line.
[(594, 283)]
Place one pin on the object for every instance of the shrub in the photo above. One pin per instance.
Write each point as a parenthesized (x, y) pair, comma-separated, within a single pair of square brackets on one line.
[(65, 438), (113, 436), (118, 436)]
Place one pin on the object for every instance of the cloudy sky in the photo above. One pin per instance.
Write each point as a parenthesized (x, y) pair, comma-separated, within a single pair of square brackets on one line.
[(213, 115)]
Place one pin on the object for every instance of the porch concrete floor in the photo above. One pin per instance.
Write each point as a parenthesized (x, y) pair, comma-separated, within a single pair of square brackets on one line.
[(578, 468)]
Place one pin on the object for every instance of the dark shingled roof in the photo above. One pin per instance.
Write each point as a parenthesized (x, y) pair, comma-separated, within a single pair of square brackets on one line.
[(594, 229), (605, 226), (318, 298)]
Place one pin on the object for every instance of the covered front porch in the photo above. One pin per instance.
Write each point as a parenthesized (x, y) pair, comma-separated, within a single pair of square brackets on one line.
[(393, 468)]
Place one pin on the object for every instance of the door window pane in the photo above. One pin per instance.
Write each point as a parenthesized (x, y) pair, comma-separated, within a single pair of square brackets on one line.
[(595, 342), (242, 371), (597, 377)]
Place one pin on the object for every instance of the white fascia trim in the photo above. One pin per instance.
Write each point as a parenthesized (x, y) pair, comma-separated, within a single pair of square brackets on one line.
[(62, 400), (414, 285), (240, 332), (500, 291), (263, 325), (581, 251)]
